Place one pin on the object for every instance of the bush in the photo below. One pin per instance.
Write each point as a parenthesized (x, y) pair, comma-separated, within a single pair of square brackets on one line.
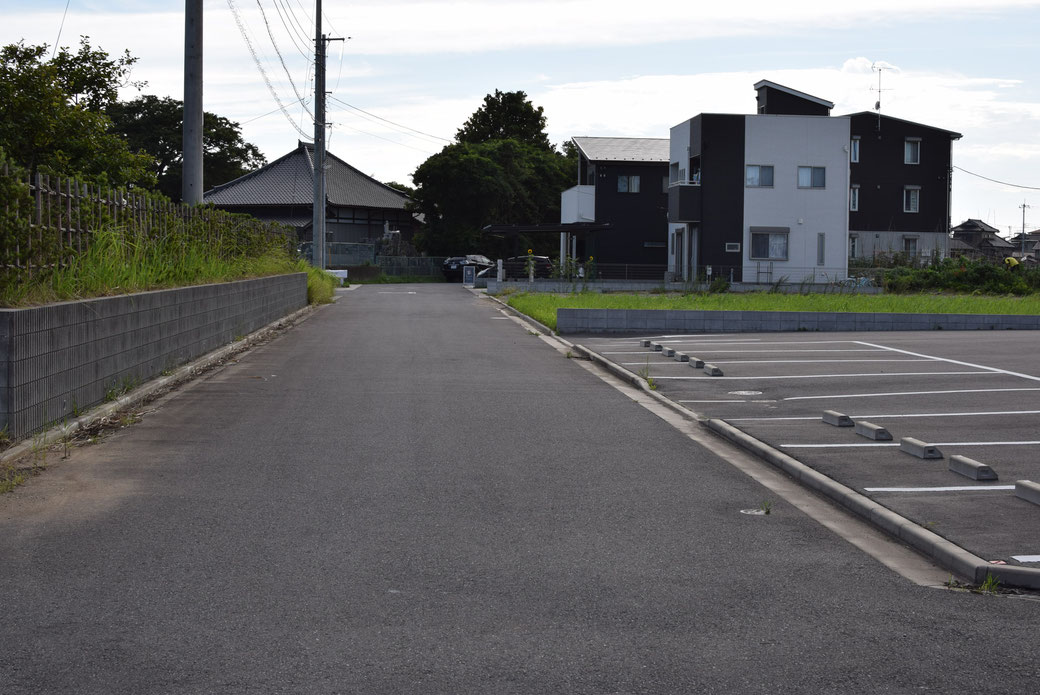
[(965, 276)]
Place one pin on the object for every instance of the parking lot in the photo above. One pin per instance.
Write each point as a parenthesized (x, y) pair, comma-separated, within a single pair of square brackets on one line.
[(969, 394)]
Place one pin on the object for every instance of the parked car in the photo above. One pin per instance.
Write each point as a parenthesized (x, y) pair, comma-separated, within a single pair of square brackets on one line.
[(453, 266), (516, 267)]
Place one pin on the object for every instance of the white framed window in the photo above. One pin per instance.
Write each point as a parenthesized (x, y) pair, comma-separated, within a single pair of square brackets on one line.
[(821, 248), (627, 184), (854, 149), (812, 177), (769, 243), (732, 247), (912, 151), (854, 198), (911, 199), (758, 176), (910, 245), (853, 246)]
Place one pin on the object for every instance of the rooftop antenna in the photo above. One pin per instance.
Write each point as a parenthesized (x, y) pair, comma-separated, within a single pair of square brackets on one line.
[(878, 68)]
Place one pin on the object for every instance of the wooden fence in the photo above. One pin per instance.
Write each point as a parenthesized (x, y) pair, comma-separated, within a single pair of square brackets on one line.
[(49, 219)]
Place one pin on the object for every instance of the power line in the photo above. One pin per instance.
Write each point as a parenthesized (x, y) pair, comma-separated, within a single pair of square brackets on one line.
[(1002, 183), (60, 27), (263, 73), (281, 60), (365, 132), (293, 33), (386, 120)]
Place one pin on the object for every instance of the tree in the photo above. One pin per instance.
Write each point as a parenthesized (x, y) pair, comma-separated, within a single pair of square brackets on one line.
[(468, 186), (46, 121), (154, 125), (501, 170), (506, 116)]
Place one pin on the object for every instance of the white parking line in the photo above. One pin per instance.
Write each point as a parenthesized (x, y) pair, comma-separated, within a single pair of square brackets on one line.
[(807, 361), (825, 376), (890, 416), (879, 444), (952, 488), (776, 352), (963, 364), (902, 393)]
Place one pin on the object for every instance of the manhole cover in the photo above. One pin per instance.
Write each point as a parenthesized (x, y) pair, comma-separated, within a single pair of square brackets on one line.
[(745, 393)]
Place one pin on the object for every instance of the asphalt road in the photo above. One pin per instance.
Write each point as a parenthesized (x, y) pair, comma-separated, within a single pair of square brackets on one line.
[(409, 493)]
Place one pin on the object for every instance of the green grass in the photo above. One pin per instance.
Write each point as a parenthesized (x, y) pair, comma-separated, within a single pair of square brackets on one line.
[(542, 306), (118, 263)]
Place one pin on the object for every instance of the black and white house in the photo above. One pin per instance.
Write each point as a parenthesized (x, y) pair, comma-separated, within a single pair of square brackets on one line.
[(622, 187), (791, 192)]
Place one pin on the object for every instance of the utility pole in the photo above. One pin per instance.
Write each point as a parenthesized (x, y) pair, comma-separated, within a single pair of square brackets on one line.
[(318, 221), (191, 143), (1024, 206)]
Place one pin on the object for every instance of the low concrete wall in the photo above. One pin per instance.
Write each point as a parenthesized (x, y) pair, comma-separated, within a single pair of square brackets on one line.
[(651, 320), (61, 358)]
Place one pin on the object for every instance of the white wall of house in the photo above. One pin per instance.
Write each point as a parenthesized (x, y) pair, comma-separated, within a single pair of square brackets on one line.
[(578, 204), (787, 143)]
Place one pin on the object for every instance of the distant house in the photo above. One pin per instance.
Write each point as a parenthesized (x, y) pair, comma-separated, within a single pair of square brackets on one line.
[(623, 187), (983, 240), (359, 209), (1030, 241)]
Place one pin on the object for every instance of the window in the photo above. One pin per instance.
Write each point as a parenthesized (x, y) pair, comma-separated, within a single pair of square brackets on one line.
[(910, 245), (912, 151), (627, 184), (664, 186), (854, 149), (769, 243), (732, 247), (853, 246), (759, 176), (821, 240), (911, 199), (812, 177), (854, 198)]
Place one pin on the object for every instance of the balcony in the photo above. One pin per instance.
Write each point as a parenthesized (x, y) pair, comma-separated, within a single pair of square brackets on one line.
[(578, 204), (684, 201)]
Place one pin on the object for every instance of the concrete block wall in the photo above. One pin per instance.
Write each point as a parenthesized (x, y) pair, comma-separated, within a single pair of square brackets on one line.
[(653, 320), (58, 359)]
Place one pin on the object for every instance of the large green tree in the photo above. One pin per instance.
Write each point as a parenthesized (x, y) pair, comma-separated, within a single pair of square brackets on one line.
[(506, 116), (501, 170), (154, 125), (50, 113)]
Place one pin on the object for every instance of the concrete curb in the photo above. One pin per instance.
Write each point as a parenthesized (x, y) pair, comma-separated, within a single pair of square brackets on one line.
[(946, 553), (147, 390)]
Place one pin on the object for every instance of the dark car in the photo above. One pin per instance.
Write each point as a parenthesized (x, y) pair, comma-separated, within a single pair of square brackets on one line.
[(516, 267), (453, 266)]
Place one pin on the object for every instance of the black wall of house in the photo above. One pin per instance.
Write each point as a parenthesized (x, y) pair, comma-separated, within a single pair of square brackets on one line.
[(882, 175), (720, 139), (637, 219), (773, 101)]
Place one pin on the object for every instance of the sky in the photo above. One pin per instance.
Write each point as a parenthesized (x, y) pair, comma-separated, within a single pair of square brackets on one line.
[(410, 72)]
